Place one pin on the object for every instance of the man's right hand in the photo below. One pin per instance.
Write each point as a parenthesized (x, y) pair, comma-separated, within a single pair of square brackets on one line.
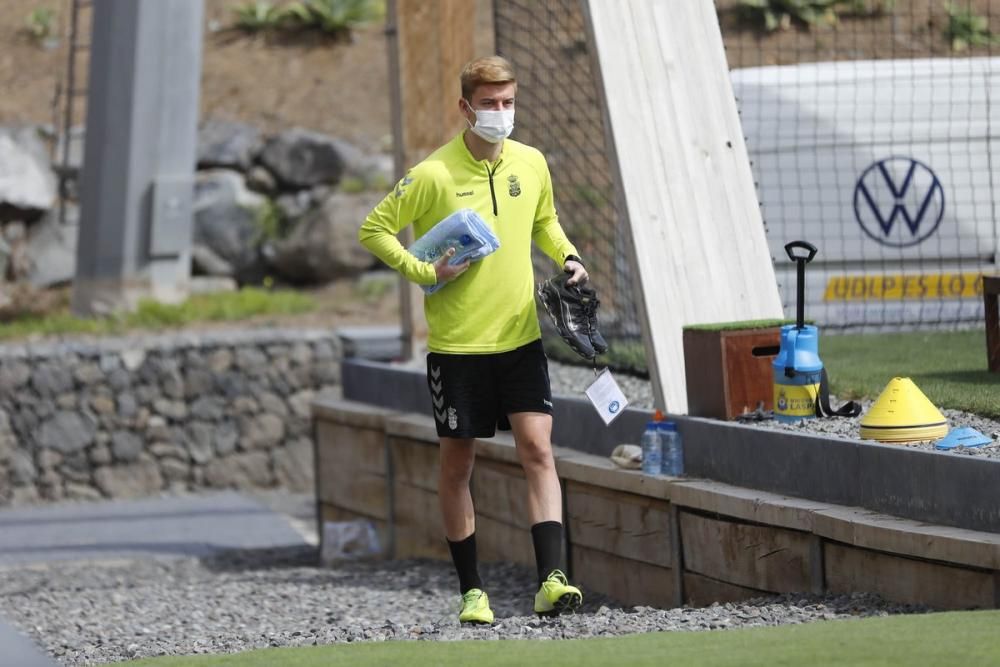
[(445, 271)]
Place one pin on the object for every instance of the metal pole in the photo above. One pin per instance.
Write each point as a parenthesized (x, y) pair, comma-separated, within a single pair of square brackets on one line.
[(399, 164), (74, 28), (137, 182), (800, 307)]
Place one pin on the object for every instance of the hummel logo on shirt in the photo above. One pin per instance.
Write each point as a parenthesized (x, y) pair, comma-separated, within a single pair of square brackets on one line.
[(467, 193)]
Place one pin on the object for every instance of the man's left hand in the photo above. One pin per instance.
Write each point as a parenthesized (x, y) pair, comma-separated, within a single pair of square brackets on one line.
[(579, 276)]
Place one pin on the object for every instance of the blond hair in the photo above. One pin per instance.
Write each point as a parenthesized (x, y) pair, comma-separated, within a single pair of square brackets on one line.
[(491, 69)]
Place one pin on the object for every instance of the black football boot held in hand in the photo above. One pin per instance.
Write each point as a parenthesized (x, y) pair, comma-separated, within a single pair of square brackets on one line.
[(573, 310)]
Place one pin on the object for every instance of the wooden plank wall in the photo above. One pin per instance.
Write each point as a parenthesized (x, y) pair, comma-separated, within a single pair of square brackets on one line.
[(907, 579), (762, 558), (659, 544), (620, 544), (683, 175), (419, 532), (351, 473), (500, 494)]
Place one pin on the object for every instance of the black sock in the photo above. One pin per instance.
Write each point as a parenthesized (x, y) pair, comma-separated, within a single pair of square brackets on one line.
[(547, 537), (463, 554)]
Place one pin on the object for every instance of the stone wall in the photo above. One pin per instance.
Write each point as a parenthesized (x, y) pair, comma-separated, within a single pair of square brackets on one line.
[(134, 416)]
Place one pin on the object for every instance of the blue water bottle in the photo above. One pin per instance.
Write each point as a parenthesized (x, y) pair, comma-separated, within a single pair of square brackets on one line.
[(673, 451), (652, 449)]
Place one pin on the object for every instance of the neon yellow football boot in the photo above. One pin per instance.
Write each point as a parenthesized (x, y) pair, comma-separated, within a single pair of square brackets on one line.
[(475, 607), (556, 596)]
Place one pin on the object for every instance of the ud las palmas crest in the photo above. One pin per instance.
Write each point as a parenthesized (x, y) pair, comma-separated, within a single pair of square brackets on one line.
[(513, 186)]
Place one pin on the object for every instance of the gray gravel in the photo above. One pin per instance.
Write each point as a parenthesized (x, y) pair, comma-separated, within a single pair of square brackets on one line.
[(572, 380), (90, 613), (97, 612)]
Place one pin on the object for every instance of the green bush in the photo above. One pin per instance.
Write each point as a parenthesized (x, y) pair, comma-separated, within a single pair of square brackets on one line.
[(223, 306), (335, 18), (966, 28), (40, 23), (780, 14), (258, 15), (271, 222), (352, 185)]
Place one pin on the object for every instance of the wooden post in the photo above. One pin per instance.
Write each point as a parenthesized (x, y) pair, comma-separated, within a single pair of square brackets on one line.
[(991, 297), (429, 42)]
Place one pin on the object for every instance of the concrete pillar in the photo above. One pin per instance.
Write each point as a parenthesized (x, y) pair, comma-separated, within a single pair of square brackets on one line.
[(137, 181)]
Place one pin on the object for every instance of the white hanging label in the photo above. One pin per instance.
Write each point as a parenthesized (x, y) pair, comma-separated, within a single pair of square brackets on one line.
[(606, 396)]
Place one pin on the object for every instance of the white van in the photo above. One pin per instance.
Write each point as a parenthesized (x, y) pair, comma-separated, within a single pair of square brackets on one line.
[(892, 170)]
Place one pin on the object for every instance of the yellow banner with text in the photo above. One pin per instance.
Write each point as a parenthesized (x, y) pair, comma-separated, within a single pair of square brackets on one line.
[(902, 287)]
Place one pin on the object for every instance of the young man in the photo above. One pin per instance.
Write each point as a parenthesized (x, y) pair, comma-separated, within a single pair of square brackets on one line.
[(486, 367)]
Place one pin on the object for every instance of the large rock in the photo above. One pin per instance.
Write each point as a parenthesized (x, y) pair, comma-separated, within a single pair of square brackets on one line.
[(27, 184), (227, 144), (262, 431), (134, 480), (242, 471), (51, 249), (8, 441), (299, 158), (259, 179), (66, 432), (372, 172), (22, 469), (15, 234), (324, 245), (5, 256), (225, 213), (126, 446), (13, 374), (294, 205), (204, 262), (200, 443), (293, 466), (51, 379)]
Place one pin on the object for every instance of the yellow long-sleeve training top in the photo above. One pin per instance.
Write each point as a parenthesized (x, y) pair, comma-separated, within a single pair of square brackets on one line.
[(490, 307)]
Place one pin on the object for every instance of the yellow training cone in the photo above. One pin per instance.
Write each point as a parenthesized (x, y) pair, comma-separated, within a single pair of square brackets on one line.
[(903, 414)]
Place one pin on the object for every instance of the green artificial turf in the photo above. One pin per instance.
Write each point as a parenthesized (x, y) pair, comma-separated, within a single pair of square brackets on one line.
[(948, 367), (931, 640), (734, 326)]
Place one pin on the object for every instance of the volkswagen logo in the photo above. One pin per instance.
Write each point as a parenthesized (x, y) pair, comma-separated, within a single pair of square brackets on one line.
[(614, 407), (899, 201)]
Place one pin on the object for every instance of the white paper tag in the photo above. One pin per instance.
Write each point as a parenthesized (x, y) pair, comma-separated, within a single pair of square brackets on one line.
[(606, 396)]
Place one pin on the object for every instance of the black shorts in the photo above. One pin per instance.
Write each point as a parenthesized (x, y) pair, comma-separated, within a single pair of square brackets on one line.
[(472, 394)]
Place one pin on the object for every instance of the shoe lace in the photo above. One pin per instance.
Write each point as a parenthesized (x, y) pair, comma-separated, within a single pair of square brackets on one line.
[(588, 305), (470, 596), (558, 576)]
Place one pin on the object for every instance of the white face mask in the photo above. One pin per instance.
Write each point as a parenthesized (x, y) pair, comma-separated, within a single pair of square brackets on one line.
[(492, 126)]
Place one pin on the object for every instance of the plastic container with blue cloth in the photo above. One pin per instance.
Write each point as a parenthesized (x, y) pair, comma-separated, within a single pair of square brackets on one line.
[(465, 231)]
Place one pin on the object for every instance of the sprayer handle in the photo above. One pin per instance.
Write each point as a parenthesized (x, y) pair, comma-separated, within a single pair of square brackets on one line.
[(801, 245)]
